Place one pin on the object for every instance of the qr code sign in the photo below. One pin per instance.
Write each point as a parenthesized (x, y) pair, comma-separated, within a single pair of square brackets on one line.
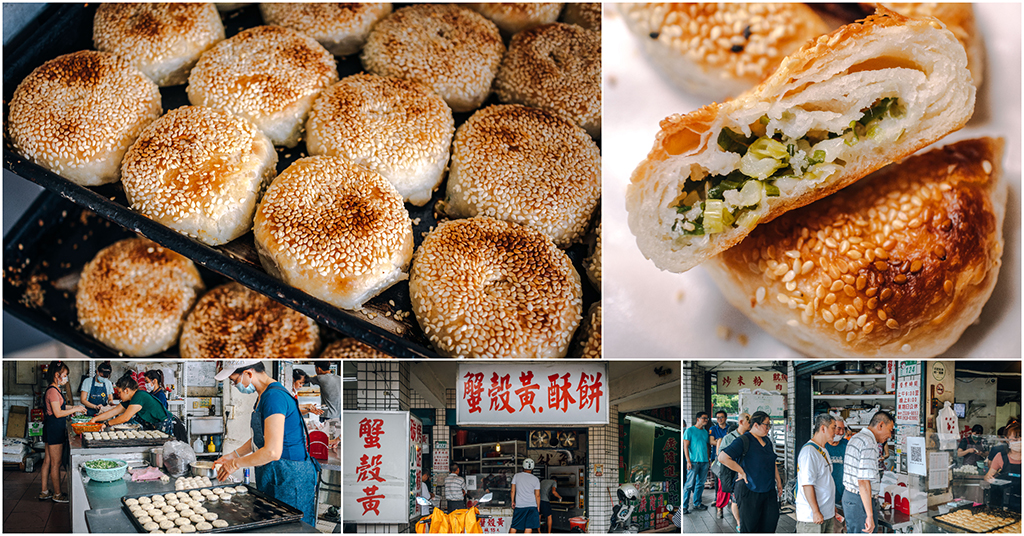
[(915, 455)]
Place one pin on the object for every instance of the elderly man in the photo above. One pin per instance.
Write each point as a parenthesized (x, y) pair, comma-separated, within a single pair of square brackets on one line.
[(815, 494), (860, 474), (836, 448), (455, 490), (695, 450)]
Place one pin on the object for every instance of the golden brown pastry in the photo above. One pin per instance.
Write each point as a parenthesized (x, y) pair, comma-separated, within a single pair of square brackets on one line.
[(845, 105), (898, 264)]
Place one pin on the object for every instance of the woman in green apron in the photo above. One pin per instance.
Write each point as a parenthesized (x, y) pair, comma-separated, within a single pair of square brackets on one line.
[(138, 407), (279, 448)]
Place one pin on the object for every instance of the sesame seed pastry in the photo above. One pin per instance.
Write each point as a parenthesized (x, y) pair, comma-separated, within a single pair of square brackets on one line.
[(77, 114), (512, 18), (163, 40), (350, 348), (720, 50), (482, 287), (899, 263), (342, 28), (590, 334), (843, 106), (584, 14)]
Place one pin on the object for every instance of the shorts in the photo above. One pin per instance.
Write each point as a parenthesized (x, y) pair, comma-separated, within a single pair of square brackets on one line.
[(54, 434), (545, 508), (526, 518)]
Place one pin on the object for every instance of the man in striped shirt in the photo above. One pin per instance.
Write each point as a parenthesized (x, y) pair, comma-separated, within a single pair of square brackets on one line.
[(455, 490), (861, 480)]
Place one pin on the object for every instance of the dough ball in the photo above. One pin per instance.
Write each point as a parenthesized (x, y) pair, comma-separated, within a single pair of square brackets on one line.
[(151, 526), (220, 523)]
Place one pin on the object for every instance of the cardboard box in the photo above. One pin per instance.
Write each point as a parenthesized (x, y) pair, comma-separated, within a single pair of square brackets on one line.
[(35, 429), (17, 420)]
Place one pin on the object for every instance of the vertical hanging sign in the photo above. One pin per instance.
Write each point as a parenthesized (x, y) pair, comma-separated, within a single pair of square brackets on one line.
[(908, 393), (379, 469)]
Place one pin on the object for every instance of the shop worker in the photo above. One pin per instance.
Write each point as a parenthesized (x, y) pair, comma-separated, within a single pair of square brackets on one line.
[(836, 448), (299, 379), (742, 428), (695, 449), (719, 429), (548, 487), (330, 388), (55, 429), (137, 407), (860, 474), (970, 448), (1006, 466), (97, 391), (455, 489), (758, 484), (815, 494), (279, 448), (155, 385), (525, 500)]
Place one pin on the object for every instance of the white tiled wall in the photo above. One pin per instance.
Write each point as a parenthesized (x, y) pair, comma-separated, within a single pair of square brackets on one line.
[(693, 391), (604, 449), (382, 385)]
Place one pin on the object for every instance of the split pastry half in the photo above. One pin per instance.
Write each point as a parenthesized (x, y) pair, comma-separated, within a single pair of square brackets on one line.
[(898, 264), (843, 106)]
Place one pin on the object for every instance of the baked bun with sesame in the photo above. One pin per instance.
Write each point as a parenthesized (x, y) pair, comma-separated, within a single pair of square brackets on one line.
[(77, 114), (134, 295), (512, 18), (232, 321), (200, 172), (527, 166), (349, 348), (592, 264), (720, 50), (898, 264), (590, 334), (845, 105), (398, 128), (488, 288), (450, 49), (584, 14), (555, 67), (269, 75), (335, 230), (340, 28), (163, 41)]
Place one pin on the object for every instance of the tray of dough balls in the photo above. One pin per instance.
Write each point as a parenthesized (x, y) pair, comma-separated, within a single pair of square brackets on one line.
[(396, 179), (978, 519), (124, 438), (219, 508)]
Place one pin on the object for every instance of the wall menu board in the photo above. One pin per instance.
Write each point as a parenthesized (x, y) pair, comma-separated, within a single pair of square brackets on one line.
[(199, 373)]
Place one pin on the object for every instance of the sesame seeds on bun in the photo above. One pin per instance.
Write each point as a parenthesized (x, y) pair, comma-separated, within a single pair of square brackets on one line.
[(335, 230), (452, 50), (134, 295), (340, 28), (592, 263), (232, 321), (162, 40), (200, 172), (269, 75), (590, 334), (584, 14), (511, 17), (482, 287), (350, 348), (555, 67), (77, 114), (528, 166), (398, 128)]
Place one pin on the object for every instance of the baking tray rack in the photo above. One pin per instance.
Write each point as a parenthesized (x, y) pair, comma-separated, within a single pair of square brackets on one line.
[(67, 28), (1014, 517), (116, 443), (244, 511)]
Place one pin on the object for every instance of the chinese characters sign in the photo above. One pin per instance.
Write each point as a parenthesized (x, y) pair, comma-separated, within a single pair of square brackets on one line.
[(377, 464), (532, 393), (731, 381), (496, 525), (908, 400)]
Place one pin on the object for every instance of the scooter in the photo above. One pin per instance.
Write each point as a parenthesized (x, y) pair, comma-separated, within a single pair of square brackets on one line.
[(457, 522), (622, 513)]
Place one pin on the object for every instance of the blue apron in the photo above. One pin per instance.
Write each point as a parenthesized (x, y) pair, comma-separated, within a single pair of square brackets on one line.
[(97, 395), (289, 481)]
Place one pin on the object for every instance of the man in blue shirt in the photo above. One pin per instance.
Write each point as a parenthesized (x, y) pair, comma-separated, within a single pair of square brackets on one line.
[(695, 449), (837, 451), (718, 431)]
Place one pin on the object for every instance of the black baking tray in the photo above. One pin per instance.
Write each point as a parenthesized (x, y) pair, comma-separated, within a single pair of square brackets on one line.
[(1014, 517), (65, 28), (248, 510), (116, 443)]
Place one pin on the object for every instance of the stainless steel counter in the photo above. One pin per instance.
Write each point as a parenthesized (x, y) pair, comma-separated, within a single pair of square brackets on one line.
[(333, 462), (115, 520)]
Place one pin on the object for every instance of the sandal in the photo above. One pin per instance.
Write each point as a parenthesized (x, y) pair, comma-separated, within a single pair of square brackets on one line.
[(45, 495), (60, 498)]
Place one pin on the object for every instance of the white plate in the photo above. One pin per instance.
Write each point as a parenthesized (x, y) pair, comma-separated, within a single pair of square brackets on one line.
[(650, 313)]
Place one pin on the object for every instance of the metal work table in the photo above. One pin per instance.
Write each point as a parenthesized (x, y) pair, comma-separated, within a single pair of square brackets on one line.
[(333, 462), (114, 520)]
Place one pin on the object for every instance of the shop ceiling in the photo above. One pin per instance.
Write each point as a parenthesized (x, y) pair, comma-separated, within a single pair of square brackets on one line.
[(633, 385)]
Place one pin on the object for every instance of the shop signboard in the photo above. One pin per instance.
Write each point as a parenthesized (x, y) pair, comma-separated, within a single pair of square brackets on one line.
[(531, 393), (890, 376), (908, 399), (441, 464), (730, 382), (773, 405), (378, 471), (496, 524), (416, 441)]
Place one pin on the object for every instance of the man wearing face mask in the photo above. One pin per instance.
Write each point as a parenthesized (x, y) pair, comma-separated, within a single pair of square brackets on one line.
[(970, 446), (1006, 466), (97, 391), (836, 449), (279, 448)]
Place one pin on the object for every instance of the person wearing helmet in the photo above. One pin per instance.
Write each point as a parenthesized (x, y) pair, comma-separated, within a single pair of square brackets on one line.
[(525, 500)]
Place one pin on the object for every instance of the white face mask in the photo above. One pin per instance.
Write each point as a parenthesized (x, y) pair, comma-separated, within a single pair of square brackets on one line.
[(837, 438), (1015, 445)]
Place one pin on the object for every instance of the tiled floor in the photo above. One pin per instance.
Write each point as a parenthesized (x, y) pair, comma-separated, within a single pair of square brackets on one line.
[(23, 512), (707, 522)]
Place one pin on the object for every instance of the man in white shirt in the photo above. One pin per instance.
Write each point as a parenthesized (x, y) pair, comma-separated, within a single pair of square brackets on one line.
[(525, 500), (424, 492), (816, 491)]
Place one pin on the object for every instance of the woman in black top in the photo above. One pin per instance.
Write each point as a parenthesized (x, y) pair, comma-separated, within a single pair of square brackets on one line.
[(55, 429)]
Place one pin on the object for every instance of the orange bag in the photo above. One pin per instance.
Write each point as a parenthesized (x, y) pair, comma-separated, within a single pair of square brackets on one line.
[(438, 523)]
